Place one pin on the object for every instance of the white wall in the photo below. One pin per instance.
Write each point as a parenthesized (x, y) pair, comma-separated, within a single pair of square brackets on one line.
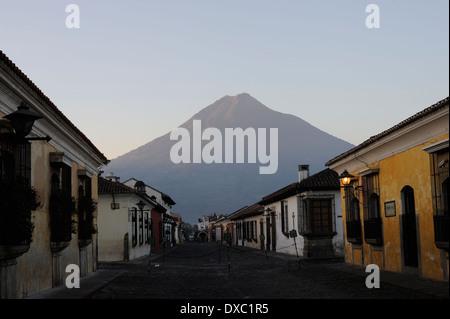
[(114, 224), (286, 244)]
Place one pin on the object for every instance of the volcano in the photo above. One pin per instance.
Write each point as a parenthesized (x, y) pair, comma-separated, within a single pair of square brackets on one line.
[(222, 188)]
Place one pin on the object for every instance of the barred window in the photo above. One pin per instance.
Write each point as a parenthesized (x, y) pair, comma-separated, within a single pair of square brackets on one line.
[(322, 221), (371, 197), (141, 228), (352, 208), (316, 215), (439, 160), (133, 226), (439, 174), (15, 163), (284, 217)]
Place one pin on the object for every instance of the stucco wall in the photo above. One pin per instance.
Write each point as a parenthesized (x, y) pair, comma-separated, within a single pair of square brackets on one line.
[(408, 168)]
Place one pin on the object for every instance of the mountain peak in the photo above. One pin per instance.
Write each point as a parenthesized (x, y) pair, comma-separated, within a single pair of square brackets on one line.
[(236, 108), (241, 98), (204, 188)]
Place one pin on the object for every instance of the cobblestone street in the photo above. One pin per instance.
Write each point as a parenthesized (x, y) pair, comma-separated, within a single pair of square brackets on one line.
[(206, 271)]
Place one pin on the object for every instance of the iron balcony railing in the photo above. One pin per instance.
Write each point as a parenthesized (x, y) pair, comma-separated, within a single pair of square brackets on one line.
[(354, 231), (373, 231)]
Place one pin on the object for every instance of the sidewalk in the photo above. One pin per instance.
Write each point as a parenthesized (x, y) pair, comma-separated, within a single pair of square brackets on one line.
[(432, 287), (95, 281)]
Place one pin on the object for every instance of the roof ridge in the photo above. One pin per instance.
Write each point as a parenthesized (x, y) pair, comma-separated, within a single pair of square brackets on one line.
[(17, 71), (429, 110)]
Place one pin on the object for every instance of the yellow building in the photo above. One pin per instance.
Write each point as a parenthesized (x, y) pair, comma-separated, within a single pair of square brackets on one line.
[(48, 190), (395, 196)]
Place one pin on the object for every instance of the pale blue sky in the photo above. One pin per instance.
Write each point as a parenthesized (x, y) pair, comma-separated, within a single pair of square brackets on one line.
[(137, 69)]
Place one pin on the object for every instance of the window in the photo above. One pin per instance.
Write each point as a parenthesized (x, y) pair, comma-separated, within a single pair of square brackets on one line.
[(352, 216), (439, 160), (141, 228), (238, 230), (17, 198), (6, 167), (251, 230), (373, 233), (86, 209), (61, 204), (354, 209), (316, 215), (284, 218), (22, 157), (371, 202), (439, 174), (321, 216), (374, 206), (145, 227), (149, 229), (15, 163), (133, 226)]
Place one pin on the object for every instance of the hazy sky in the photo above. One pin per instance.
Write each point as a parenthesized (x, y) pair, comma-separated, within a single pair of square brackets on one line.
[(135, 70)]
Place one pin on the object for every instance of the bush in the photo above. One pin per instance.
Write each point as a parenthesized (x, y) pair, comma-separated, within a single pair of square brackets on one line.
[(17, 201)]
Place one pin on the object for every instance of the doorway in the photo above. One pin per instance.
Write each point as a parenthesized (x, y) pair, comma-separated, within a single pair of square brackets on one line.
[(409, 228)]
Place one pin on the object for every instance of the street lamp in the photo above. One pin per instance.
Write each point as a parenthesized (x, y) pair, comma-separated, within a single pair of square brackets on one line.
[(23, 120), (141, 205), (346, 178)]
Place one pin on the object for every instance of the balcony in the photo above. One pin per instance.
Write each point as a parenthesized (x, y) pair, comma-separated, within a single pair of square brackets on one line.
[(441, 230), (354, 231), (373, 231)]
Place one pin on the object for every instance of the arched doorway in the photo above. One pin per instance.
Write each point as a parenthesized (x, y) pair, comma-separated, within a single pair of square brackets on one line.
[(409, 228)]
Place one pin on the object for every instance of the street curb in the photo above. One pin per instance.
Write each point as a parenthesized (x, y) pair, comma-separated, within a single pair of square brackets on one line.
[(96, 290)]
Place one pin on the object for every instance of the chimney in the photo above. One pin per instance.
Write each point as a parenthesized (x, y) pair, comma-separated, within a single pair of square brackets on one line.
[(110, 176), (303, 172)]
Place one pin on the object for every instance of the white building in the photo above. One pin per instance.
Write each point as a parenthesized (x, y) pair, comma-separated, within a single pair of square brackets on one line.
[(305, 217), (168, 226), (125, 230)]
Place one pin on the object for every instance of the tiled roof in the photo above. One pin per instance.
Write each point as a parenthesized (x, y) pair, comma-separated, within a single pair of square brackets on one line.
[(32, 86), (429, 110), (108, 187), (323, 180), (252, 210), (164, 196)]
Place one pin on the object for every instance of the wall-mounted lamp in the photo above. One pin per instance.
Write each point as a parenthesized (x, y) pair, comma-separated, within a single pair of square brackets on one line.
[(141, 205), (23, 120), (346, 178)]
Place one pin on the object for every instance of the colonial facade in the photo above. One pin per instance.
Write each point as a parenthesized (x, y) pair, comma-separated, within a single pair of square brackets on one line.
[(304, 217), (48, 180), (249, 226), (395, 196), (164, 225), (125, 225)]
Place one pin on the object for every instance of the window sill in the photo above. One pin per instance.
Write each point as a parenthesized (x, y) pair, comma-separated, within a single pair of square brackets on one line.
[(329, 234), (356, 240), (374, 241)]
